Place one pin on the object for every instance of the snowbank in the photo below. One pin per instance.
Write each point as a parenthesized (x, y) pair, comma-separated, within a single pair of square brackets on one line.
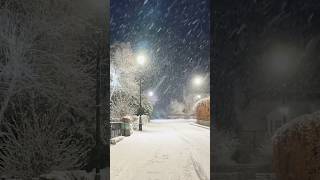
[(115, 140)]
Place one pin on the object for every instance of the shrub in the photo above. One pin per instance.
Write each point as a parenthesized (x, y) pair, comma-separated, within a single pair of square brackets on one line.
[(202, 108), (37, 145), (296, 149)]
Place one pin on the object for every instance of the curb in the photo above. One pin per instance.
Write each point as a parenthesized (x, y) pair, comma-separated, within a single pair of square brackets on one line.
[(202, 126)]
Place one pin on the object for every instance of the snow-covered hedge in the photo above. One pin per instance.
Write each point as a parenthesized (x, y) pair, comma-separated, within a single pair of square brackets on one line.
[(202, 108), (296, 149)]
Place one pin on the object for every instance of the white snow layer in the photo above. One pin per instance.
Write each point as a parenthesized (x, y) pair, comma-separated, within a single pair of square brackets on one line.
[(165, 150)]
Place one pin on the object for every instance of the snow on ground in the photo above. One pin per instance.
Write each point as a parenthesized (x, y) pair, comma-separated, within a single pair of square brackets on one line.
[(164, 150)]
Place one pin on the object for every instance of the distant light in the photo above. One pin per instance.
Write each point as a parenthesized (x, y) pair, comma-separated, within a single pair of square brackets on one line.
[(198, 96), (141, 59), (197, 81), (150, 93)]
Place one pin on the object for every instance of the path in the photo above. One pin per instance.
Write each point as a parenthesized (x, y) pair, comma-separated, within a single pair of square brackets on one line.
[(164, 150)]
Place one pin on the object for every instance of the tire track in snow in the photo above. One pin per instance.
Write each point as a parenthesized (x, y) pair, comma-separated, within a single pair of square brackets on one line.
[(198, 168), (196, 165)]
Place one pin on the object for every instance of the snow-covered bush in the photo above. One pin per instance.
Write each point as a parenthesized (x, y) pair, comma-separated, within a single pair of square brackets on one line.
[(122, 104), (224, 146), (202, 109), (147, 107), (35, 144), (190, 99), (296, 149)]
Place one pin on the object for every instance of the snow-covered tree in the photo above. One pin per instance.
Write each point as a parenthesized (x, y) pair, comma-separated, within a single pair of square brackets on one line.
[(30, 63), (46, 55), (123, 104), (123, 85), (125, 75)]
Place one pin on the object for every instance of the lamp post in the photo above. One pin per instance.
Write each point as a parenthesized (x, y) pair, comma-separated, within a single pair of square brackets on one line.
[(140, 106), (141, 60)]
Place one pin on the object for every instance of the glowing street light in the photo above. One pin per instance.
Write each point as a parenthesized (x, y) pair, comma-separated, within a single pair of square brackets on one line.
[(197, 80), (141, 59), (150, 93)]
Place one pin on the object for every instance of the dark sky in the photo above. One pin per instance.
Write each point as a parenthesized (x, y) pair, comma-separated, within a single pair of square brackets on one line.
[(175, 31)]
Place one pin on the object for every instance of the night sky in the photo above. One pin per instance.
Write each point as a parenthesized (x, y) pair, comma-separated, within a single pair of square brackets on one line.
[(176, 32)]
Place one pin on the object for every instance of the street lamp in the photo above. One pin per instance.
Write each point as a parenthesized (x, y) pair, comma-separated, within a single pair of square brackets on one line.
[(141, 60), (150, 93), (197, 81)]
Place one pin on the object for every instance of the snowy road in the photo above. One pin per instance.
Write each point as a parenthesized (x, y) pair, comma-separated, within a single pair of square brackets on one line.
[(164, 150)]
